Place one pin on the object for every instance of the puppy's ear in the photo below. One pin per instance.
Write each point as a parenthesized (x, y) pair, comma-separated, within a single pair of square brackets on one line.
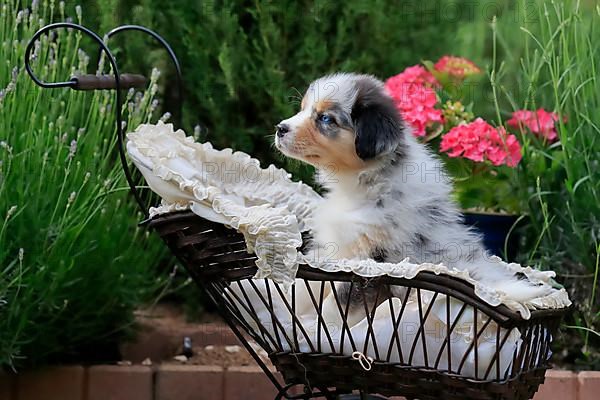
[(378, 125)]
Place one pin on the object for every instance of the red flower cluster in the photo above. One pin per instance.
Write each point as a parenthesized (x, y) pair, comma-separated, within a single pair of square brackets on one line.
[(415, 98), (480, 141), (458, 67), (540, 122)]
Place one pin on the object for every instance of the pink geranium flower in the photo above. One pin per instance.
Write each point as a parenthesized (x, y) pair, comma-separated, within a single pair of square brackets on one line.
[(416, 74), (479, 141), (541, 123), (458, 67), (415, 98)]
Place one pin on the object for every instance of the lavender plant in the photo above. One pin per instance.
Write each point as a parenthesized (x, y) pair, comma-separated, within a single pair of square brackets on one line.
[(73, 264)]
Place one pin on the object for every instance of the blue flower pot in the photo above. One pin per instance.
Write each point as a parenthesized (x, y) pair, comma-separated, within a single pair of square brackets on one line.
[(494, 228)]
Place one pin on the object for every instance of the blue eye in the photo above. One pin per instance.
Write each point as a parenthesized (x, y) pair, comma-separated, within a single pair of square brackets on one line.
[(325, 118)]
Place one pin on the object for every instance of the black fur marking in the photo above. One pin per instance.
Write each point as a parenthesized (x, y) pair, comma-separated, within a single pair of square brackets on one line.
[(421, 240), (379, 203), (379, 255), (379, 127)]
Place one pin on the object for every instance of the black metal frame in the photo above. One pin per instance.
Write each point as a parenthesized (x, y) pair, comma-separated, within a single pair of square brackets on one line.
[(117, 81)]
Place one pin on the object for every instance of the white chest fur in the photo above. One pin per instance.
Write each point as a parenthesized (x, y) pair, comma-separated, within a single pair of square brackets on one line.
[(348, 225)]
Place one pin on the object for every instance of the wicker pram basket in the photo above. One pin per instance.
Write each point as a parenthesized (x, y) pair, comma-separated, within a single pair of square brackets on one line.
[(217, 259)]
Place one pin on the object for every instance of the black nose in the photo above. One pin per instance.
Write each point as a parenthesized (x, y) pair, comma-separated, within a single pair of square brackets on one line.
[(282, 129)]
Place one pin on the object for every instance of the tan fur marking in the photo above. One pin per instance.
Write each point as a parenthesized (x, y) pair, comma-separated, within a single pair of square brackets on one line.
[(337, 154), (306, 139), (322, 106), (341, 152)]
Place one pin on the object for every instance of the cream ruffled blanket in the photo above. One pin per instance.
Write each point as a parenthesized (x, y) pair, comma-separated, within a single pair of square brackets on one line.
[(272, 211)]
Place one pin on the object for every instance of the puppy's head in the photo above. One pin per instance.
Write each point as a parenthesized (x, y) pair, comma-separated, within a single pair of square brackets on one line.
[(346, 121)]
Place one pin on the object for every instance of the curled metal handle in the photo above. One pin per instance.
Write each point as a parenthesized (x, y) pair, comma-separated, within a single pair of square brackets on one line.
[(168, 49), (106, 82), (72, 83)]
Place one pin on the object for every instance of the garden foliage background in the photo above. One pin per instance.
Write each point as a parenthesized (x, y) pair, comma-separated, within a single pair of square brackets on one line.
[(73, 264)]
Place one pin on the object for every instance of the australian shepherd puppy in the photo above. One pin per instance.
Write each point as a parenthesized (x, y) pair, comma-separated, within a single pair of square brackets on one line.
[(388, 196)]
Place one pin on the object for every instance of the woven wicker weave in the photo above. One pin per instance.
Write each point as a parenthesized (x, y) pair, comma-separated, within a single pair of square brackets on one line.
[(217, 259)]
